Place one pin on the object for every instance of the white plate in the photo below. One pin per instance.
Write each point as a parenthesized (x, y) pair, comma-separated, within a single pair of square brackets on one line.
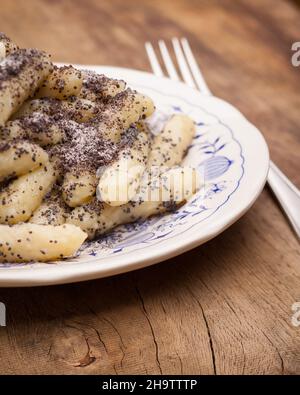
[(235, 159)]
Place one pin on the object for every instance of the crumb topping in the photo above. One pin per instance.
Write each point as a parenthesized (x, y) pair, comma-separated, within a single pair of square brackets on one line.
[(13, 64), (86, 148), (99, 87)]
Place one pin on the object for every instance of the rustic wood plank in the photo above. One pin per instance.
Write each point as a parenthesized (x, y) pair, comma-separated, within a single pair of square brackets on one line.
[(224, 307)]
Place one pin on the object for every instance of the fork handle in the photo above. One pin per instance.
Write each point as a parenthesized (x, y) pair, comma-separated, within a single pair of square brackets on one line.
[(287, 194)]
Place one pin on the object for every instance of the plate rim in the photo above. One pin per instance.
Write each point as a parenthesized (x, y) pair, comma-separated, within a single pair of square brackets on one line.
[(51, 275)]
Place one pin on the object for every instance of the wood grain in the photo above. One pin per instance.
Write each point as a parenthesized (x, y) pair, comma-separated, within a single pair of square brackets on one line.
[(224, 307)]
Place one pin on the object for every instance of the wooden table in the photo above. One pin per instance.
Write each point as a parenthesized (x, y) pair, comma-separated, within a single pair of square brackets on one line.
[(224, 307)]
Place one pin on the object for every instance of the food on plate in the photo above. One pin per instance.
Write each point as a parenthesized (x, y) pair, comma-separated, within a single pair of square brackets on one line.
[(78, 157), (21, 73), (31, 242)]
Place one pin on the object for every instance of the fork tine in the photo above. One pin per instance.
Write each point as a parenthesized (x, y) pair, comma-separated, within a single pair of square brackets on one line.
[(153, 60), (197, 74), (184, 69), (168, 61)]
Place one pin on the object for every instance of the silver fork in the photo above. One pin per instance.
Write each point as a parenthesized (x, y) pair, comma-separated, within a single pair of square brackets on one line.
[(285, 191)]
